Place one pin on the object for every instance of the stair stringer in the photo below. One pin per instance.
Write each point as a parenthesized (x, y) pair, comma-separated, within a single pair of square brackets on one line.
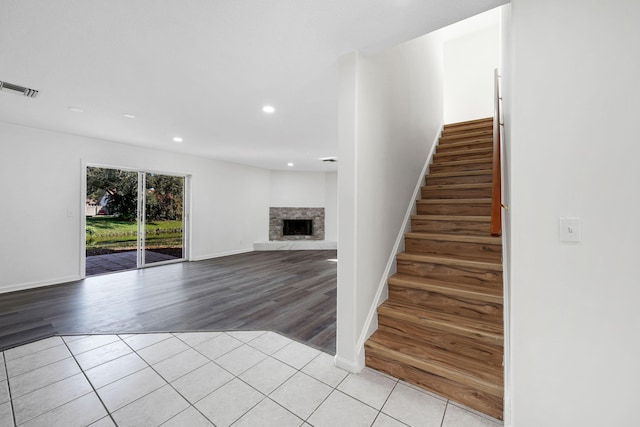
[(371, 322)]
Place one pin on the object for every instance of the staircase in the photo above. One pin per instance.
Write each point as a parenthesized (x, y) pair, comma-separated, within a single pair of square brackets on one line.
[(442, 326)]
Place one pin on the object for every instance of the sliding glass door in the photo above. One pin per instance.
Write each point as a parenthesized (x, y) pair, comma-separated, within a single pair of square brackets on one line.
[(133, 219), (163, 218)]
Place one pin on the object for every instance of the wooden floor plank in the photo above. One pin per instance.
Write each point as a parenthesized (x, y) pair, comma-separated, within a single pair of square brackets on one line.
[(291, 292)]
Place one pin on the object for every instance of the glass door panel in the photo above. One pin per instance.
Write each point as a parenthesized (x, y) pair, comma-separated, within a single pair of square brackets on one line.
[(163, 218), (111, 231)]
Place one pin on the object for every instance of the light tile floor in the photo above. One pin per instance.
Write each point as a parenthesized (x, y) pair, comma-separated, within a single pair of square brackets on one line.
[(249, 378)]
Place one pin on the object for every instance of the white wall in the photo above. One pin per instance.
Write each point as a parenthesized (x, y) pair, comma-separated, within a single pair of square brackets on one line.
[(307, 190), (390, 111), (41, 172), (297, 189), (469, 62), (574, 151)]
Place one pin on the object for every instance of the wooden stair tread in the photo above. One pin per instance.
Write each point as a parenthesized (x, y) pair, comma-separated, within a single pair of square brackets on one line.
[(465, 152), (453, 201), (463, 290), (450, 260), (479, 140), (473, 218), (443, 357), (463, 173), (450, 139), (489, 240), (445, 162), (476, 328), (456, 186), (464, 145), (472, 133), (468, 122), (433, 362)]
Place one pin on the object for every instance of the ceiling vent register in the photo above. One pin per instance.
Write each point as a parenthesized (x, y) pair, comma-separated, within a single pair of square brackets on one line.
[(31, 93)]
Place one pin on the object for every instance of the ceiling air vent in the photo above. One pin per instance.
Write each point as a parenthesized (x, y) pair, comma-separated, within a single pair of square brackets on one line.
[(328, 159), (31, 93)]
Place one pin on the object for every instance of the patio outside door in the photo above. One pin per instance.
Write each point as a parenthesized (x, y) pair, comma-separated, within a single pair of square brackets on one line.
[(133, 219)]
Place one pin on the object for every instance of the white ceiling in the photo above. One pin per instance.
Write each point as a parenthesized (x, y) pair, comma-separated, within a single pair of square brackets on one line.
[(201, 69)]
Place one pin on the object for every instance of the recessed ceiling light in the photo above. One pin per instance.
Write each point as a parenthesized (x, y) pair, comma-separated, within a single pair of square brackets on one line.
[(289, 164), (269, 109), (75, 109), (177, 139), (128, 116)]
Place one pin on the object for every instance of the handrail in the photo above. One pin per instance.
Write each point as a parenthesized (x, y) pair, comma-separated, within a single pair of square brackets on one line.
[(496, 188)]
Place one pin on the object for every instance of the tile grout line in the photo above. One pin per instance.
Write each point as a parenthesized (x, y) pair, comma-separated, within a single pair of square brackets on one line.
[(265, 396), (191, 404), (332, 391), (385, 402), (89, 381), (6, 372), (165, 380), (444, 414), (55, 382), (39, 367)]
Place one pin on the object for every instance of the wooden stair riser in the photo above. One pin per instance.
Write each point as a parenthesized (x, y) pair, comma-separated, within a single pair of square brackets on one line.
[(486, 123), (452, 137), (476, 177), (483, 402), (462, 146), (460, 166), (476, 209), (467, 136), (475, 191), (490, 353), (489, 333), (484, 130), (468, 128), (474, 228), (482, 154), (456, 367), (471, 309), (450, 273), (485, 251), (452, 289), (454, 145)]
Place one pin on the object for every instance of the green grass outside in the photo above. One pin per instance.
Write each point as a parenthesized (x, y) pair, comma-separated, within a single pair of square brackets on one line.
[(112, 233)]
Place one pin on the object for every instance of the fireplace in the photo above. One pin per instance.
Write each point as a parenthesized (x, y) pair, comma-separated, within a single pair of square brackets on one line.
[(296, 224), (297, 227)]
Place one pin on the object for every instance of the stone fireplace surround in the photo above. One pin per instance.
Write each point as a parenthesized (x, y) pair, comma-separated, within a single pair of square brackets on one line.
[(276, 215), (278, 242)]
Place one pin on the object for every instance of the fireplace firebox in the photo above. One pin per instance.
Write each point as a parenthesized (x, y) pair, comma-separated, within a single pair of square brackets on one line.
[(297, 227)]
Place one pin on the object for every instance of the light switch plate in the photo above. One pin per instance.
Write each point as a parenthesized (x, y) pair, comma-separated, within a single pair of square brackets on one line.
[(570, 230)]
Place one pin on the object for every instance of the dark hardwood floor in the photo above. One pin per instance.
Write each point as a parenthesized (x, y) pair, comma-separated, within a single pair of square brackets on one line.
[(291, 292)]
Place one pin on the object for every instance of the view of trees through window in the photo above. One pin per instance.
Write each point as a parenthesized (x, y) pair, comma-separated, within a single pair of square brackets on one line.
[(111, 212)]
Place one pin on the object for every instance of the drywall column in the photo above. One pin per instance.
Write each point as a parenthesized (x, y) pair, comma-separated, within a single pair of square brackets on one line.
[(389, 115), (574, 152), (347, 356)]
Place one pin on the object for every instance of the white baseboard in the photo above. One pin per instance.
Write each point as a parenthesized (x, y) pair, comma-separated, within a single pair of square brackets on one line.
[(295, 245), (39, 284), (353, 366), (221, 254), (371, 322)]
